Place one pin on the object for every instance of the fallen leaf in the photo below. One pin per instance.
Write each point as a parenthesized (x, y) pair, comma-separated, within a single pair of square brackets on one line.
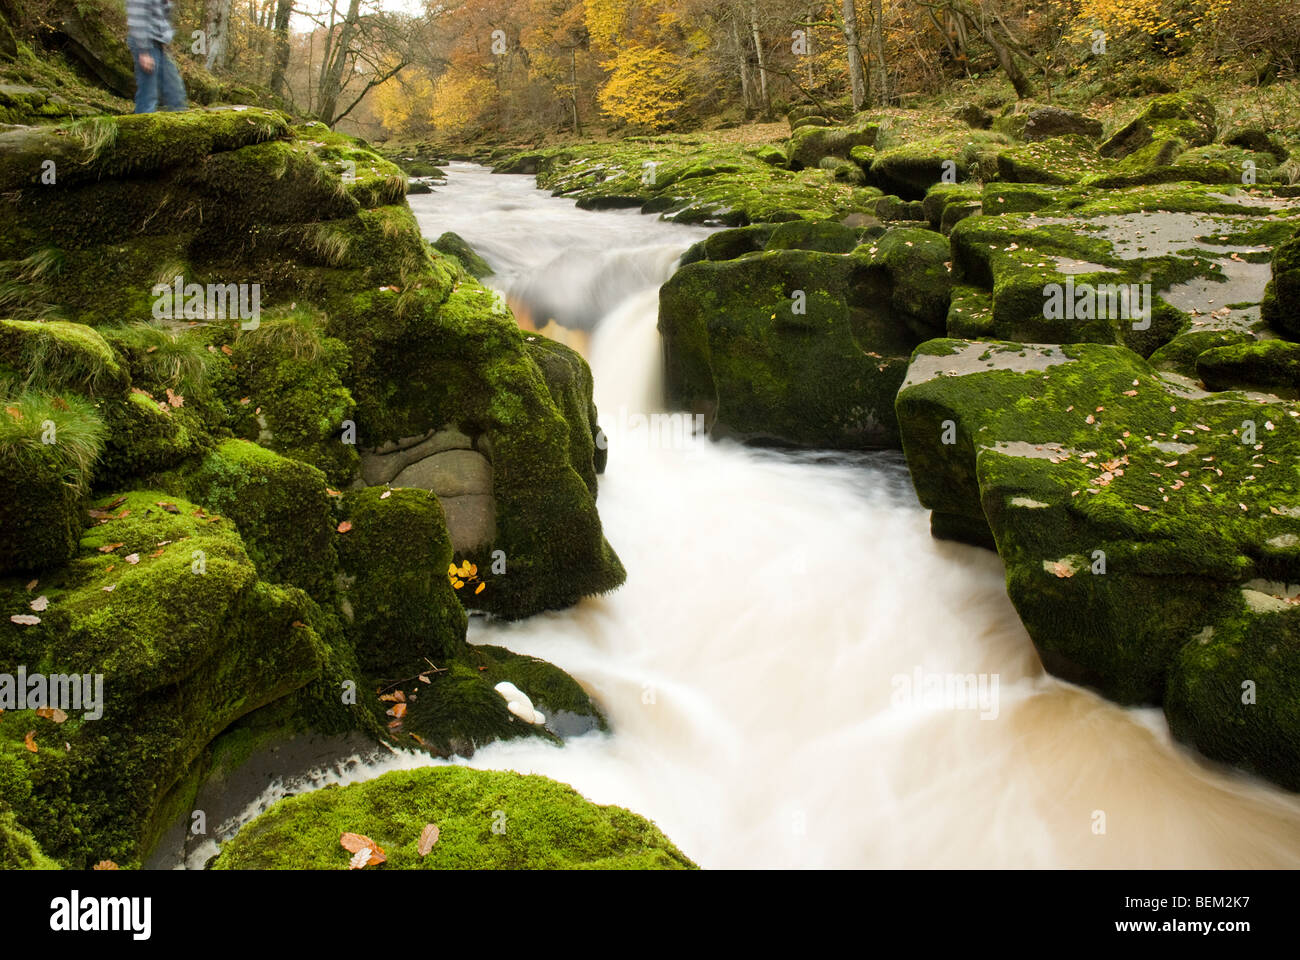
[(345, 526), (225, 348), (479, 589), (397, 710), (109, 547), (32, 585), (424, 679), (1062, 569), (29, 741), (385, 495), (105, 865), (174, 399), (169, 507), (428, 837), (40, 603), (25, 619), (132, 558), (51, 713)]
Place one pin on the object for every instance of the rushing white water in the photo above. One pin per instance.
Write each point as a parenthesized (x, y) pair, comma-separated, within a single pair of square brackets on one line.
[(754, 666)]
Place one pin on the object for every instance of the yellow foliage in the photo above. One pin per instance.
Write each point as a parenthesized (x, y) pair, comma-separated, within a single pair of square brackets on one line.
[(460, 99), (402, 104), (645, 86)]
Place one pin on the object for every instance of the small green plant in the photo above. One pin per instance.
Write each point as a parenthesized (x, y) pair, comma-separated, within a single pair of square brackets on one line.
[(161, 357), (295, 333), (94, 135), (37, 427)]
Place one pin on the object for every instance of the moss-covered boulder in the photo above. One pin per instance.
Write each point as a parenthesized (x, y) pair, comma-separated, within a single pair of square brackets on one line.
[(1136, 516), (1175, 122), (281, 507), (291, 375), (1269, 365), (809, 144), (396, 597), (164, 606), (453, 707), (1280, 307), (486, 820), (1180, 354), (789, 347), (49, 444), (18, 849), (1043, 123), (453, 244)]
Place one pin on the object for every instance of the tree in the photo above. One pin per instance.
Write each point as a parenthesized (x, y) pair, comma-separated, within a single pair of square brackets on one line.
[(857, 84)]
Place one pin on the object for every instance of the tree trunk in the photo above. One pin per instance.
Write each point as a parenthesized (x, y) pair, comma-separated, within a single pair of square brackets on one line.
[(742, 59), (764, 100), (332, 69), (573, 88), (283, 11), (877, 44), (857, 84), (216, 30)]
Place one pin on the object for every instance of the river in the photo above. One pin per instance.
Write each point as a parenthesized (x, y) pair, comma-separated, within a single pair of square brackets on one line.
[(767, 668)]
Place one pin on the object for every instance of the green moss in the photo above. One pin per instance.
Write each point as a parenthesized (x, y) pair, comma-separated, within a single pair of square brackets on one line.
[(486, 820), (397, 601), (292, 375), (459, 710), (49, 446), (165, 604), (56, 355), (1280, 307), (1270, 365), (454, 245), (280, 506), (18, 850), (1065, 451), (1234, 693), (790, 347), (1179, 354)]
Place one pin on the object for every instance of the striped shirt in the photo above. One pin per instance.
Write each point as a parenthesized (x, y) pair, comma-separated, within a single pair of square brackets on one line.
[(149, 21)]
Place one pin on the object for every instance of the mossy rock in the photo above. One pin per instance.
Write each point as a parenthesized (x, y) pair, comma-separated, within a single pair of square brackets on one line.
[(730, 244), (164, 602), (1179, 355), (486, 819), (57, 355), (49, 445), (1043, 123), (809, 144), (1065, 159), (1234, 689), (1269, 365), (454, 245), (1280, 308), (787, 347), (18, 849), (397, 600), (281, 508), (1131, 513), (292, 376), (1184, 119), (459, 710), (917, 262), (942, 195), (827, 237)]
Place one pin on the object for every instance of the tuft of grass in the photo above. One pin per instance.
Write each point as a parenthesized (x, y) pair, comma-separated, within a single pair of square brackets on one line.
[(295, 333), (163, 357), (36, 426), (94, 135), (330, 244), (60, 354)]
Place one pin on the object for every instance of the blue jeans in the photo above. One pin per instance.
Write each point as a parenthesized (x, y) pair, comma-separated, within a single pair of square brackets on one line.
[(164, 80)]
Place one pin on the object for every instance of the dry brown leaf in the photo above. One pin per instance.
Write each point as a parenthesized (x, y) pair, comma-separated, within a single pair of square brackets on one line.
[(109, 547), (29, 741), (51, 713), (105, 865), (397, 710), (345, 526), (25, 619), (428, 837)]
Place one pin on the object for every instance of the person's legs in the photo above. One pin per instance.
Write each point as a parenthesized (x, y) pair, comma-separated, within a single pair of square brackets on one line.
[(146, 83), (172, 86)]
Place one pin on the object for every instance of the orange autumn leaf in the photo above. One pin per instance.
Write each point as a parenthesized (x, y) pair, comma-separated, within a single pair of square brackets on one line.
[(109, 547), (105, 865), (397, 710), (345, 526), (29, 741), (366, 853), (51, 713), (479, 589)]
